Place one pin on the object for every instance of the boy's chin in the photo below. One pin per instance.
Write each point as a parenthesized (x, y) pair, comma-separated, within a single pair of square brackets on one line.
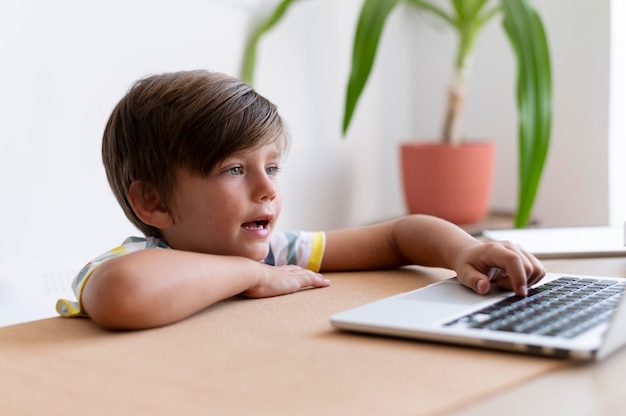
[(258, 255)]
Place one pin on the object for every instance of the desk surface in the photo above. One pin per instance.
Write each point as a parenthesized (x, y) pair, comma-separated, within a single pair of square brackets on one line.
[(281, 356)]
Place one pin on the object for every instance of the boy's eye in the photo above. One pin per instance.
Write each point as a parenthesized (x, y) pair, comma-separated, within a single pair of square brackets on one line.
[(235, 171), (272, 170)]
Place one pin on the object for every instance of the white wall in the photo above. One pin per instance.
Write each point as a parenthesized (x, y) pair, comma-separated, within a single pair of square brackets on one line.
[(617, 123), (66, 63)]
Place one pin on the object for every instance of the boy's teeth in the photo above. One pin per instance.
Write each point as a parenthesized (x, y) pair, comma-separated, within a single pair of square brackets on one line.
[(255, 225)]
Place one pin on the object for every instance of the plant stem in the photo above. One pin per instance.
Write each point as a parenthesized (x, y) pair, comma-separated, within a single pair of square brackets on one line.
[(453, 122), (469, 19)]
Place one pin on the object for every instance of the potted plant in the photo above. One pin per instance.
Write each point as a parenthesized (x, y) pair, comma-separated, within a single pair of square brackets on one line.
[(526, 34)]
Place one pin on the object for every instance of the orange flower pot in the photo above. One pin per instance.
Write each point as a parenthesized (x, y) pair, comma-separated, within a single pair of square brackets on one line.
[(450, 182)]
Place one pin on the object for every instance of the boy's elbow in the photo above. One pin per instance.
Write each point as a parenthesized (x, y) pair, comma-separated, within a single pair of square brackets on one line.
[(112, 297)]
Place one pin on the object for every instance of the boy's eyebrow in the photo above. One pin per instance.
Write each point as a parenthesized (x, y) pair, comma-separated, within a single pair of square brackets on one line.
[(273, 154)]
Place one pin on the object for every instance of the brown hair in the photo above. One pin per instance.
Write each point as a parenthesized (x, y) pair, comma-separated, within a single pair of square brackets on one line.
[(189, 119)]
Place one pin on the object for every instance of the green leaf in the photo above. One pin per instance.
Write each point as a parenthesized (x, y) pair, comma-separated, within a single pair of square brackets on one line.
[(249, 57), (369, 28), (426, 5), (487, 16), (534, 99)]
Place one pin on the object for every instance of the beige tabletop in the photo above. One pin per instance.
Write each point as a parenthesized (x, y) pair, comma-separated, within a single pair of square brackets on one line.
[(280, 356)]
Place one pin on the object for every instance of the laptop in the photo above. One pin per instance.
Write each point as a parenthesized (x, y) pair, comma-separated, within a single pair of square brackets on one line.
[(569, 316), (29, 292)]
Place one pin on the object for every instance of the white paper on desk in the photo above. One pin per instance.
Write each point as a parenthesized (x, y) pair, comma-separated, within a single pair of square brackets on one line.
[(566, 242)]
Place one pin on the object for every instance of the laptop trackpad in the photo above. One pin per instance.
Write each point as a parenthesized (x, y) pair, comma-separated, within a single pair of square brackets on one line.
[(450, 291)]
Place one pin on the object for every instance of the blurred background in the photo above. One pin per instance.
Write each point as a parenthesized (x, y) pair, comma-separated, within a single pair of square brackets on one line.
[(66, 63)]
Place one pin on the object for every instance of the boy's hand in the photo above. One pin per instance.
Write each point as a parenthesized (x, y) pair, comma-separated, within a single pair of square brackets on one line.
[(282, 280), (508, 264)]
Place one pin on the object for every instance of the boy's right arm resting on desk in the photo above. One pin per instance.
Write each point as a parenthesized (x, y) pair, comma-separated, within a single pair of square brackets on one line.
[(433, 242), (151, 288)]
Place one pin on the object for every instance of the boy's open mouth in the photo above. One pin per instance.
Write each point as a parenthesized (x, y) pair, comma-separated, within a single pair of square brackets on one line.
[(255, 225)]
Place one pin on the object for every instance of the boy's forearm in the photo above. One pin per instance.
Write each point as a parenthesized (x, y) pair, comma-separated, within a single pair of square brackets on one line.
[(414, 239), (156, 287), (430, 241)]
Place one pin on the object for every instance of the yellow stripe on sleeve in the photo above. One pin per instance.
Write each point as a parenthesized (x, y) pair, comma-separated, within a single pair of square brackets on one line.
[(317, 251)]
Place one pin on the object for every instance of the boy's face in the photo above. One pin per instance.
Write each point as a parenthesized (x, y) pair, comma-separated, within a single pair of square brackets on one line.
[(232, 211)]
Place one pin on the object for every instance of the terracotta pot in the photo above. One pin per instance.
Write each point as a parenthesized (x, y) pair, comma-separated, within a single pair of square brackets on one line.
[(450, 182)]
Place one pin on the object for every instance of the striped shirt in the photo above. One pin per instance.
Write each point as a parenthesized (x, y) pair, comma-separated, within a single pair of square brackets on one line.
[(302, 248)]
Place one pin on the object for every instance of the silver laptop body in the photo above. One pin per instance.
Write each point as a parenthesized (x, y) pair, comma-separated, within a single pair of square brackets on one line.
[(451, 313)]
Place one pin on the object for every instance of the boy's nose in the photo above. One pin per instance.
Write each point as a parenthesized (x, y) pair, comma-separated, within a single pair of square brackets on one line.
[(265, 189)]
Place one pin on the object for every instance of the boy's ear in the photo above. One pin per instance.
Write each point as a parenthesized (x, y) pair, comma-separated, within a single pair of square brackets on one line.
[(147, 204)]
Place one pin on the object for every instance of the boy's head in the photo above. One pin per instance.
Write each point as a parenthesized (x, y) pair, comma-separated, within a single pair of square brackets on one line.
[(191, 120)]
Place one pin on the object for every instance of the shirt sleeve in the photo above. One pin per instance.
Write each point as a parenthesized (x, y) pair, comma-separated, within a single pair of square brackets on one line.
[(71, 308), (302, 248)]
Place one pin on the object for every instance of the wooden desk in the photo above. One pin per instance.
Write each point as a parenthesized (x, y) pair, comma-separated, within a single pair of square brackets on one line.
[(280, 356)]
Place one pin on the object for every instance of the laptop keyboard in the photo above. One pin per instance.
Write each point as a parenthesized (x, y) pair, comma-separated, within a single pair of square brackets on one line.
[(566, 307)]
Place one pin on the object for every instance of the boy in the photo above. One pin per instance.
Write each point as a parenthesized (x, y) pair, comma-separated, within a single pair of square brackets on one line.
[(193, 158)]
